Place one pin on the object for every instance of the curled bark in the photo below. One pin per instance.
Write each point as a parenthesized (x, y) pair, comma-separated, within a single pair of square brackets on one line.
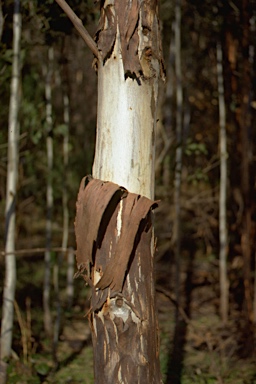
[(136, 24), (114, 243), (109, 225)]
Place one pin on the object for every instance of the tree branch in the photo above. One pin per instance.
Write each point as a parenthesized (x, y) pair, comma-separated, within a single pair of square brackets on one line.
[(36, 250), (79, 27)]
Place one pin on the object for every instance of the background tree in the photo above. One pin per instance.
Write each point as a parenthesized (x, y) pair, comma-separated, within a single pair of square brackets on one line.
[(48, 73), (224, 289), (11, 192)]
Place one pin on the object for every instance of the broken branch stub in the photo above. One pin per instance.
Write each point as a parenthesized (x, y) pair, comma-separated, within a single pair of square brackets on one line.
[(103, 245)]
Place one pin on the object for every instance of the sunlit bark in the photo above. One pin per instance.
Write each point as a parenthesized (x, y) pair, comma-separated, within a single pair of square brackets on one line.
[(223, 238), (127, 100), (49, 194), (11, 191), (124, 324)]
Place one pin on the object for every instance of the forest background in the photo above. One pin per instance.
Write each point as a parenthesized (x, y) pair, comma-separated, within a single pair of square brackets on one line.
[(204, 339)]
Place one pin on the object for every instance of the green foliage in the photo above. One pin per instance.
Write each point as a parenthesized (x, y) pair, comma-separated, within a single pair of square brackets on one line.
[(61, 130), (42, 368), (21, 374), (197, 177), (195, 149)]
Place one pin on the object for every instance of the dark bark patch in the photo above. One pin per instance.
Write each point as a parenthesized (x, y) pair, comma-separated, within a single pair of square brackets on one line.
[(137, 23)]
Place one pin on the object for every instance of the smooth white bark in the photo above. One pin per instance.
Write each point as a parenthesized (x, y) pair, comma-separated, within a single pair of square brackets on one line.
[(11, 191), (70, 276), (223, 238), (65, 165), (124, 152), (125, 155), (178, 153), (49, 194)]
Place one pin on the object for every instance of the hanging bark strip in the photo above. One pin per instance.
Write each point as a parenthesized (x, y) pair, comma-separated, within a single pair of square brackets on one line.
[(136, 24), (113, 233), (103, 245)]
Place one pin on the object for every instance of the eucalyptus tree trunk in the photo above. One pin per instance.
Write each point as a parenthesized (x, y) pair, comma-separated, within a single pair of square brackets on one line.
[(49, 194), (115, 241), (123, 314), (178, 154), (65, 225), (11, 191), (223, 238), (246, 136), (124, 326), (70, 277), (65, 151), (69, 253)]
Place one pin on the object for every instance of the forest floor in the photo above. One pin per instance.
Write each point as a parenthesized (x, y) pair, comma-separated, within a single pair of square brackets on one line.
[(195, 346)]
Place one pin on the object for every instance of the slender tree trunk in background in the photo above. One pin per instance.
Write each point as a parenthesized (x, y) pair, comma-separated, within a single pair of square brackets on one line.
[(65, 168), (65, 153), (245, 128), (238, 55), (223, 238), (178, 154), (253, 63), (65, 211), (57, 320), (168, 118), (70, 254), (11, 191), (49, 194), (70, 277)]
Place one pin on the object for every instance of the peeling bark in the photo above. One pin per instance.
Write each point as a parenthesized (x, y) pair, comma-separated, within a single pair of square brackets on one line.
[(137, 24), (102, 244), (112, 247), (115, 242)]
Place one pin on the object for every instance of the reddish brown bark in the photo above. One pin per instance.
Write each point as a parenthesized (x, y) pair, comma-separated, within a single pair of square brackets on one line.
[(245, 127), (115, 243), (126, 18), (239, 95), (117, 263)]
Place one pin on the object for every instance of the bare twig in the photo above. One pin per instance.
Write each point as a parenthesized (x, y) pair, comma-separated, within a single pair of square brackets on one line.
[(36, 250), (23, 332), (159, 160), (79, 27), (174, 301)]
